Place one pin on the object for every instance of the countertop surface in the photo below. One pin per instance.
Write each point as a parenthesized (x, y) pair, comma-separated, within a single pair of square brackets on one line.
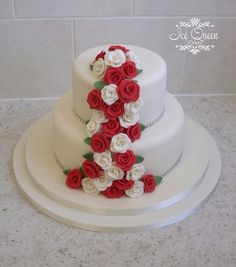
[(206, 238)]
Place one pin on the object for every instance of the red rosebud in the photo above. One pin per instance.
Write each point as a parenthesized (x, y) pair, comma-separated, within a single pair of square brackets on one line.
[(130, 69), (114, 47), (91, 169), (99, 143), (149, 182), (113, 192), (128, 91), (113, 75), (134, 132), (100, 55), (125, 160), (115, 110), (112, 127), (123, 184), (94, 100), (74, 179)]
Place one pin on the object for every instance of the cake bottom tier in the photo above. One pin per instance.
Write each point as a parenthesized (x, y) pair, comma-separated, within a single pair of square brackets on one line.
[(161, 144)]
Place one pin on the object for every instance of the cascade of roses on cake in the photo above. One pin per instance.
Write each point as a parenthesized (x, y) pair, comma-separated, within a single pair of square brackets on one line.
[(112, 168)]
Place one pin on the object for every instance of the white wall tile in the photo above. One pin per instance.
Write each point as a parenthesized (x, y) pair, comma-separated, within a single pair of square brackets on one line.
[(72, 8), (185, 7), (6, 9), (214, 71), (149, 33), (35, 58)]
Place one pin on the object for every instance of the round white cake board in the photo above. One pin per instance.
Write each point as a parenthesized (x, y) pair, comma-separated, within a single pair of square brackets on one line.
[(164, 215)]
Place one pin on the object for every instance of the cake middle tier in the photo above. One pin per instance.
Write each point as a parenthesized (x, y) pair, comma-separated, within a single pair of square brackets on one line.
[(152, 82), (160, 144)]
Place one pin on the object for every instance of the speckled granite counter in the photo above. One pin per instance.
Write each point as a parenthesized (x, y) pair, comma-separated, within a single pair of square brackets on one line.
[(207, 238)]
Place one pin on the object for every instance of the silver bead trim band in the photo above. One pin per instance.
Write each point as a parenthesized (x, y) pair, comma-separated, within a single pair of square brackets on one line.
[(162, 175), (148, 125), (172, 167)]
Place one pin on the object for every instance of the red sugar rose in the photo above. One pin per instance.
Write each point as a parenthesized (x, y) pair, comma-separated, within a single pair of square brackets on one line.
[(149, 182), (100, 55), (94, 100), (74, 179), (128, 91), (114, 75), (125, 160), (129, 69), (123, 184), (91, 169), (113, 111), (99, 143), (134, 132), (113, 192), (112, 127), (114, 47)]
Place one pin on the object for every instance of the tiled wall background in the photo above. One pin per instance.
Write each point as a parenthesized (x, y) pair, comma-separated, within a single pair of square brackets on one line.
[(40, 38)]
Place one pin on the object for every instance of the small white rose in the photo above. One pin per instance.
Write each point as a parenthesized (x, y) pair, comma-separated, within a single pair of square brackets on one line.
[(99, 116), (115, 58), (103, 159), (128, 119), (114, 173), (102, 183), (133, 107), (136, 172), (89, 186), (133, 57), (92, 127), (109, 94), (99, 68), (136, 191), (120, 143)]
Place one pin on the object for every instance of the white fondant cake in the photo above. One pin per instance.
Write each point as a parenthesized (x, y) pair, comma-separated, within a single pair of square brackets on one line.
[(160, 145)]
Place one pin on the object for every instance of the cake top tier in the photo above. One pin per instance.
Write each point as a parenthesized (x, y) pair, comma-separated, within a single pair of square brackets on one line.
[(152, 64), (93, 64)]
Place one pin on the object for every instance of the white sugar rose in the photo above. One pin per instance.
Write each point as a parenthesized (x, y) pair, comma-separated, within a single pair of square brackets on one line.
[(109, 94), (120, 143), (115, 58), (89, 187), (99, 68), (114, 173), (133, 57), (92, 127), (136, 191), (103, 159), (99, 116), (136, 172), (128, 119), (102, 183), (133, 107)]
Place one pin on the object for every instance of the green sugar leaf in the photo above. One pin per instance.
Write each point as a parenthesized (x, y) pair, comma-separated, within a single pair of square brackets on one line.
[(82, 172), (86, 122), (142, 126), (87, 140), (158, 179), (88, 156), (99, 84), (140, 71), (139, 159), (91, 67), (66, 171)]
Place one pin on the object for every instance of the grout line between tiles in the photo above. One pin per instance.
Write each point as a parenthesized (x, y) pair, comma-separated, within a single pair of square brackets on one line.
[(73, 39), (110, 18), (55, 98), (14, 9), (132, 7)]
